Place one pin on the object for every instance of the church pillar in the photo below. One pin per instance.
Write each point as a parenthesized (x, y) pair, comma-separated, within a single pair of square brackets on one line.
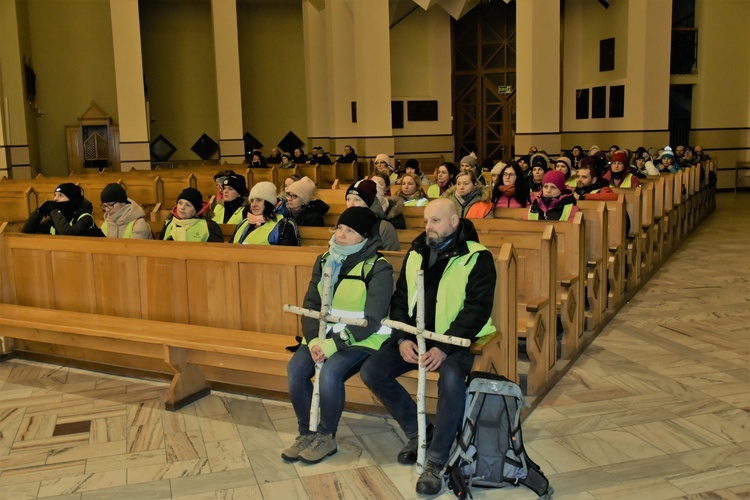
[(228, 87), (131, 100), (538, 102)]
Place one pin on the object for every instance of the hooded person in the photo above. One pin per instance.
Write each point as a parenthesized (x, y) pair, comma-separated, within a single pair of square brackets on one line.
[(556, 200), (234, 196), (261, 224), (68, 214), (364, 193), (302, 205), (361, 285), (123, 218), (191, 220)]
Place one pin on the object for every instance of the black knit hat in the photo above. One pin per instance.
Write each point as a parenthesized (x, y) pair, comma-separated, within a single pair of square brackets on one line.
[(360, 219), (236, 182), (193, 196), (114, 193), (414, 164), (539, 161), (365, 189), (73, 192)]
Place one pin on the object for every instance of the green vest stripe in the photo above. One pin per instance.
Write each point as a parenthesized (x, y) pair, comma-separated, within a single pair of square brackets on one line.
[(259, 236), (128, 230), (198, 232), (451, 290), (563, 217)]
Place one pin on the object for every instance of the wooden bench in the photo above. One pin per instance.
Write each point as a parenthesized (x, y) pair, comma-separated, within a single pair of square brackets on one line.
[(640, 223), (17, 202), (210, 291)]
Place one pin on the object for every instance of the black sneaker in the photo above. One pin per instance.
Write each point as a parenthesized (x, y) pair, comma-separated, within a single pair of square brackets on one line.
[(431, 480), (408, 454)]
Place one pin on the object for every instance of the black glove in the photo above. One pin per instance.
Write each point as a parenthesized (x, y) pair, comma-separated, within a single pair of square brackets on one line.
[(46, 208)]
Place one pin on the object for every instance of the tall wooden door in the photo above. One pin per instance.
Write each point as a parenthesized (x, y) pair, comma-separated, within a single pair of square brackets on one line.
[(484, 81)]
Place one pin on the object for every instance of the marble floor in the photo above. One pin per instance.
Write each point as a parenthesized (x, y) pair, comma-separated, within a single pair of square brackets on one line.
[(657, 407)]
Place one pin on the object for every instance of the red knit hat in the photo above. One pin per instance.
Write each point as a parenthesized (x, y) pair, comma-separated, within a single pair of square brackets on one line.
[(620, 156), (556, 178)]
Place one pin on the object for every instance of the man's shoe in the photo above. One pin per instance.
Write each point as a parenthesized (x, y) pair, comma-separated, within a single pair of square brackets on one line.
[(408, 454), (302, 442), (322, 446), (431, 480)]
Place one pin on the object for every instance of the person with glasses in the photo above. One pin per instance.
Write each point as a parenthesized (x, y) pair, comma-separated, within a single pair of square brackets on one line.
[(302, 205), (512, 189), (123, 218), (68, 214), (382, 164)]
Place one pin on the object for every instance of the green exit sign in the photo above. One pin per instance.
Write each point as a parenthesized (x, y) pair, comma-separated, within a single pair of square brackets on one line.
[(504, 89)]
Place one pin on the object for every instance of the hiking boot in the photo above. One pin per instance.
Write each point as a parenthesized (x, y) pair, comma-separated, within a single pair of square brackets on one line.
[(408, 454), (431, 480), (322, 446), (302, 442)]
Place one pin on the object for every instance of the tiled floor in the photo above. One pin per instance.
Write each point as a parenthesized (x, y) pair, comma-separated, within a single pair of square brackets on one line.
[(657, 407)]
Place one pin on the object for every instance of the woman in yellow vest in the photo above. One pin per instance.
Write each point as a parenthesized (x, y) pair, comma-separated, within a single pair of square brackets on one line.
[(123, 218), (555, 201), (68, 214), (445, 177), (234, 198), (361, 283), (619, 174), (261, 224), (190, 220)]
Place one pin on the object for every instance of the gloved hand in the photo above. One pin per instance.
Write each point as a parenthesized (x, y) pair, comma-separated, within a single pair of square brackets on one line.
[(46, 208)]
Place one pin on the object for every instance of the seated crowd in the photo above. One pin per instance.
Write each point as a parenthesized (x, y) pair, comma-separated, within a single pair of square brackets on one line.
[(360, 279)]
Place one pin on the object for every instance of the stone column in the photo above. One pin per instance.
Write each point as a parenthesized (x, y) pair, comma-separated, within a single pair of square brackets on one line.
[(538, 103), (228, 87), (372, 72), (131, 100)]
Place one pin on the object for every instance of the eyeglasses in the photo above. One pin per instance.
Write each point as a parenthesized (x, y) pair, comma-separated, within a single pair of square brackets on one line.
[(509, 174), (291, 196), (108, 206), (379, 163)]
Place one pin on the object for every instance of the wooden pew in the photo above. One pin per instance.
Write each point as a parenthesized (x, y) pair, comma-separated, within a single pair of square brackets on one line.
[(150, 305), (17, 202), (636, 207)]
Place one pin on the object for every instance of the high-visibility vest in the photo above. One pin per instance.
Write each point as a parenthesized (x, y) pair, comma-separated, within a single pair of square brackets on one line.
[(52, 228), (451, 292), (567, 209), (259, 236), (198, 232)]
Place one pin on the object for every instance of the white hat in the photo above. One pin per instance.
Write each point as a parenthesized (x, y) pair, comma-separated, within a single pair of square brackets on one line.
[(265, 191)]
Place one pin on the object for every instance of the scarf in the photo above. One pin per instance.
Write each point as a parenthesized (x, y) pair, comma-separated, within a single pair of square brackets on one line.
[(180, 227), (337, 254), (464, 200), (509, 191)]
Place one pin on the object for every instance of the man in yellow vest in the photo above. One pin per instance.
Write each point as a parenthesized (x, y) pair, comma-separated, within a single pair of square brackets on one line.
[(459, 282)]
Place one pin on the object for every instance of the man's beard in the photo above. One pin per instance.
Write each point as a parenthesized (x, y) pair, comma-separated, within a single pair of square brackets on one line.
[(437, 241)]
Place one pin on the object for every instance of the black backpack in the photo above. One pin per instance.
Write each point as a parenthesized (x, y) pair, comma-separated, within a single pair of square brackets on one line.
[(489, 450)]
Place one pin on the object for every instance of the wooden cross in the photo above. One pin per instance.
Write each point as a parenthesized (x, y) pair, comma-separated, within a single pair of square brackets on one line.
[(323, 318), (421, 335)]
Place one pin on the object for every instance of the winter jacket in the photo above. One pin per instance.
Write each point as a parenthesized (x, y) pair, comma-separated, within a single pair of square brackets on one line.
[(312, 214), (477, 206), (115, 226), (477, 298), (556, 209), (78, 223), (598, 191)]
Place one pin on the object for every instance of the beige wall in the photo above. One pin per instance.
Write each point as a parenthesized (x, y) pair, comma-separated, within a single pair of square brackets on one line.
[(586, 23), (71, 50), (272, 70), (180, 72), (721, 94)]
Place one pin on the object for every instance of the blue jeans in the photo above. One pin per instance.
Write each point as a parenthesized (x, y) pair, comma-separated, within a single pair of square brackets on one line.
[(379, 374), (336, 370)]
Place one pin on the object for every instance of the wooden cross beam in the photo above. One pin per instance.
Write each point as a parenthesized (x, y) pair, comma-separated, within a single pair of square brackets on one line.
[(323, 318), (421, 333)]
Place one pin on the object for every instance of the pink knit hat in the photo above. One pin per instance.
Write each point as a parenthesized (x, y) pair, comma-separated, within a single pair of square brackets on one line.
[(556, 178)]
